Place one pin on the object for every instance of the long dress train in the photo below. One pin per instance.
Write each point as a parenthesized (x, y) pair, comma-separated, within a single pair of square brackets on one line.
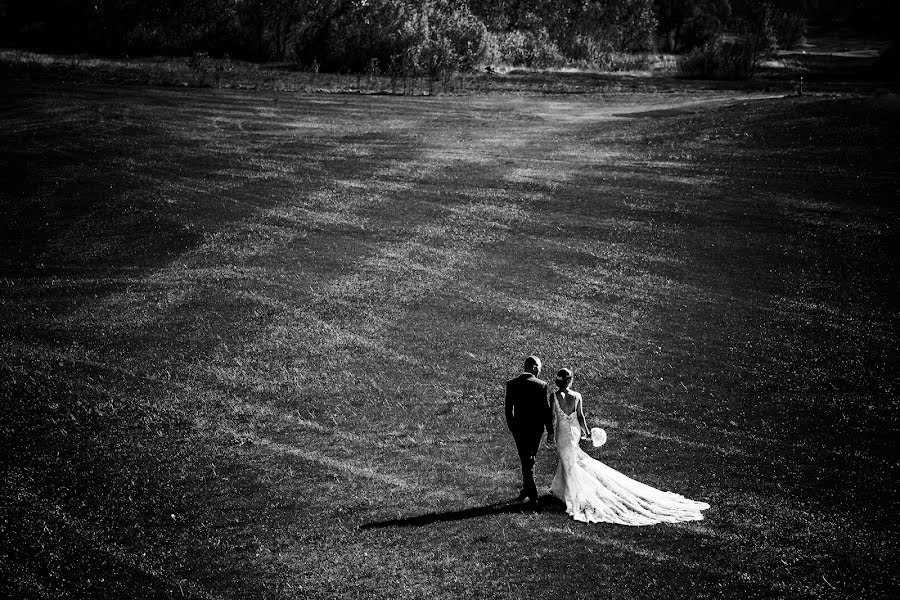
[(594, 492)]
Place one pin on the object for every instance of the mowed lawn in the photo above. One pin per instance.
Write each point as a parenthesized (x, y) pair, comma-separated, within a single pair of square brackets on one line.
[(254, 345)]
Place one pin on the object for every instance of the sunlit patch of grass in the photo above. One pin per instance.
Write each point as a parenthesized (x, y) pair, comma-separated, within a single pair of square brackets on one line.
[(253, 239), (536, 175)]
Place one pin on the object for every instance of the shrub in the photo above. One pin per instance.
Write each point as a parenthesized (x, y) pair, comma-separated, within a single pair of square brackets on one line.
[(491, 54), (719, 59), (684, 25), (756, 29), (143, 40), (702, 29), (201, 66), (529, 49), (434, 39), (456, 40), (736, 56), (591, 28), (790, 30), (587, 50), (207, 71), (624, 61)]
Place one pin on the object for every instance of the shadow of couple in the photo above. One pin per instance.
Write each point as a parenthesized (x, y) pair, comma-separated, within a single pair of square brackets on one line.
[(546, 502)]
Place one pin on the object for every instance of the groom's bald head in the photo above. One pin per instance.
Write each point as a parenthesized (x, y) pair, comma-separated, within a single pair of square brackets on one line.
[(533, 365)]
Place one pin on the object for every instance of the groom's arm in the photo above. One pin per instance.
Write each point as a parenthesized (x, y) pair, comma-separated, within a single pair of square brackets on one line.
[(548, 415)]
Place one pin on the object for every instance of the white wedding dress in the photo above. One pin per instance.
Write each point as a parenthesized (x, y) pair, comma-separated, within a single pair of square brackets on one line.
[(594, 492)]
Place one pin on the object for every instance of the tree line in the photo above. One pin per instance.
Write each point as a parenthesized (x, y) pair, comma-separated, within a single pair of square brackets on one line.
[(427, 37)]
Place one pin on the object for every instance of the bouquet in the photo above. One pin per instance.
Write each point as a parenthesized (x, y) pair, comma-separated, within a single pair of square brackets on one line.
[(598, 437)]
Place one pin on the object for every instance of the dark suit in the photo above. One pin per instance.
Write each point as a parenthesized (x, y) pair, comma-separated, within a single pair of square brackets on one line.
[(527, 415)]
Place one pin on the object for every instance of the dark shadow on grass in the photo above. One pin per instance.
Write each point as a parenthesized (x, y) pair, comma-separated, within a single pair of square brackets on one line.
[(546, 503)]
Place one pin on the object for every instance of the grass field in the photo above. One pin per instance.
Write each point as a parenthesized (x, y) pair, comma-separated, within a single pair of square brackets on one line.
[(254, 344)]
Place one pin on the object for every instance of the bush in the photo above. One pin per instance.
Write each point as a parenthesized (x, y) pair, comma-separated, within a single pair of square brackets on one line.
[(624, 61), (143, 40), (491, 54), (789, 30), (207, 71), (587, 50), (702, 29), (464, 35), (434, 39), (532, 49), (719, 59), (201, 66), (584, 31), (735, 57)]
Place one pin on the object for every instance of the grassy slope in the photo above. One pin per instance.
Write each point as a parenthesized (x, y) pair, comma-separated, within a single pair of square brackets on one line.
[(240, 327)]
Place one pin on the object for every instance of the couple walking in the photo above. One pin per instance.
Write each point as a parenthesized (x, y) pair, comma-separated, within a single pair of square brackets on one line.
[(592, 491)]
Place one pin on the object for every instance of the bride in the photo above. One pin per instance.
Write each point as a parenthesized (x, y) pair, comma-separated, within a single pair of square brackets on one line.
[(594, 492)]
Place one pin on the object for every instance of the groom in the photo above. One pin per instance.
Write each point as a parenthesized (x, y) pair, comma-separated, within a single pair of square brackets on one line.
[(527, 415)]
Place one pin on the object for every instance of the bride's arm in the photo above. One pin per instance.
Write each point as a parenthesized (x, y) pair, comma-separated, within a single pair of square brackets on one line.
[(551, 433), (581, 420)]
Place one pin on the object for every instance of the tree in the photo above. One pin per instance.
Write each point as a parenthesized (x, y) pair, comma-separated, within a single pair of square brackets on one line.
[(756, 26), (433, 38), (687, 24)]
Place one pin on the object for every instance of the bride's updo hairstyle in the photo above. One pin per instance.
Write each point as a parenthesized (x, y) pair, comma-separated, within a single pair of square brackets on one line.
[(563, 378)]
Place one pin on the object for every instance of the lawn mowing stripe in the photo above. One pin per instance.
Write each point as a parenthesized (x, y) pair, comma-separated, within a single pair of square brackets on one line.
[(498, 475), (613, 426), (341, 465)]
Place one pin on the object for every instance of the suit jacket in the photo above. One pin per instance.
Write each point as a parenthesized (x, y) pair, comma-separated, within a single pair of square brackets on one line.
[(528, 405)]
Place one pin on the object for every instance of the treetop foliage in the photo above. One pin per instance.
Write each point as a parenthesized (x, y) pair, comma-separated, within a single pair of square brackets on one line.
[(430, 37)]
